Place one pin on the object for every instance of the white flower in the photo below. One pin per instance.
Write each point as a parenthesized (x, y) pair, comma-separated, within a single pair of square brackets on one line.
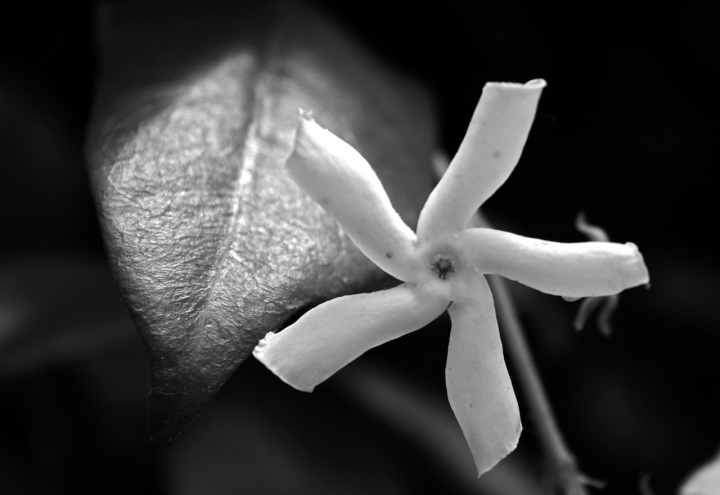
[(442, 267)]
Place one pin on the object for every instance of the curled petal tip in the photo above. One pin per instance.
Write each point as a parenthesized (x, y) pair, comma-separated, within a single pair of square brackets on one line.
[(643, 276), (263, 352), (532, 84), (263, 342)]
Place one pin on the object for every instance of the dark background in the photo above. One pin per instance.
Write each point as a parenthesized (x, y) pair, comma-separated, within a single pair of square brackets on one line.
[(626, 131)]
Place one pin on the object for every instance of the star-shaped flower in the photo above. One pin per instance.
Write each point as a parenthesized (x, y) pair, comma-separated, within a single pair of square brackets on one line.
[(442, 267)]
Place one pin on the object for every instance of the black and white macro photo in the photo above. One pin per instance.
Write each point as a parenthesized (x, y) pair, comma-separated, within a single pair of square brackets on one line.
[(309, 247)]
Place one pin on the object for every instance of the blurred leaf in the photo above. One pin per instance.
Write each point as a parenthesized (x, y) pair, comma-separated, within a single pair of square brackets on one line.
[(704, 481), (212, 245), (58, 310)]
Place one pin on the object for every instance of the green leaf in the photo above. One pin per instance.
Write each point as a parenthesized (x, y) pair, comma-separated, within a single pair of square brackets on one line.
[(211, 244)]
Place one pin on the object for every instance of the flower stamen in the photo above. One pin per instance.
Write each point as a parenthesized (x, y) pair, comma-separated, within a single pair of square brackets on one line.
[(442, 265)]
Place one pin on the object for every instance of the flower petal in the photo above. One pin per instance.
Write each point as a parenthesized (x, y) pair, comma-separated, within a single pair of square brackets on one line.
[(331, 335), (486, 157), (478, 384), (340, 180), (580, 269)]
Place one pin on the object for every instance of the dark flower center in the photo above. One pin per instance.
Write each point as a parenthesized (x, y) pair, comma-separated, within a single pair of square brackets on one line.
[(442, 265)]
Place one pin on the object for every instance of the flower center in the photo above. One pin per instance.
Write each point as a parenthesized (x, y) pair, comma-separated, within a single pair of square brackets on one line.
[(442, 265)]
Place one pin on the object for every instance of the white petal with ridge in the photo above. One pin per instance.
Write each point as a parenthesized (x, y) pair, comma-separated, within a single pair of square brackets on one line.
[(581, 269), (478, 384), (331, 335), (344, 184), (487, 156)]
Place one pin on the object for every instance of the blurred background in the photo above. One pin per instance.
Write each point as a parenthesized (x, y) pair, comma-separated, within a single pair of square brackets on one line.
[(626, 132)]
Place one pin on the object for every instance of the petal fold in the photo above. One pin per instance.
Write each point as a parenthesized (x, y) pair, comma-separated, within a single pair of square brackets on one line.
[(478, 384), (582, 269), (333, 334), (487, 156), (344, 184)]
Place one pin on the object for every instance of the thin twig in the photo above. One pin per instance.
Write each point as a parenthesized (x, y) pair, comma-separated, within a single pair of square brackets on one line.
[(564, 475)]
